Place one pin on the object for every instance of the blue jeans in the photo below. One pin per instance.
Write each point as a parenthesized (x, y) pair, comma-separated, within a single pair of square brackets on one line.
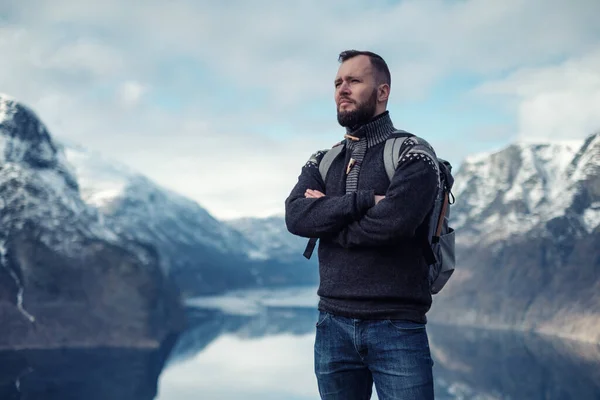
[(352, 354)]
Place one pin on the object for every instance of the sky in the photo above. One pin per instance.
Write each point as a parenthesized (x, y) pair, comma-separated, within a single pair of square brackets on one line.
[(225, 101)]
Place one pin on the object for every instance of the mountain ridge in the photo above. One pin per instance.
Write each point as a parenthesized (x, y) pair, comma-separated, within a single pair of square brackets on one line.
[(526, 185), (66, 279), (528, 224)]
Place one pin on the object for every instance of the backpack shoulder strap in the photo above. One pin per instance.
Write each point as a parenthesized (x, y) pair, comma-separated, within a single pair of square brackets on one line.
[(328, 158), (391, 151), (324, 165)]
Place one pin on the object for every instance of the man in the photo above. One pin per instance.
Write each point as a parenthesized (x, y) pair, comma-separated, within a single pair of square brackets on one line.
[(374, 289)]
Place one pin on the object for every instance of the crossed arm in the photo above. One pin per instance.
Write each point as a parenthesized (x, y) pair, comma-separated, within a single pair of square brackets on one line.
[(315, 194), (309, 213), (363, 218)]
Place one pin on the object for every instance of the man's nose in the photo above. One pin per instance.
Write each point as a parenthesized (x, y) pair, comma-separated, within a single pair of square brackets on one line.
[(344, 88)]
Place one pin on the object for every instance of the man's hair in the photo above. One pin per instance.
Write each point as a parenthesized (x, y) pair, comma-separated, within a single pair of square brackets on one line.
[(382, 72)]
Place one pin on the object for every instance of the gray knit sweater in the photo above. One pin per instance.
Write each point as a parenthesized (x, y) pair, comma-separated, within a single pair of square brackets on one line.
[(371, 262)]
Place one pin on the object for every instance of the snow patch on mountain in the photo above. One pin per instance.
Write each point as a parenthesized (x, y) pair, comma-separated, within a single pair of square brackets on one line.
[(586, 162), (36, 178), (7, 108), (18, 284), (591, 217)]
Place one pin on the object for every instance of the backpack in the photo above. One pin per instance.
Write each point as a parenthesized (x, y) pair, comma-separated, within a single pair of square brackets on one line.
[(439, 243)]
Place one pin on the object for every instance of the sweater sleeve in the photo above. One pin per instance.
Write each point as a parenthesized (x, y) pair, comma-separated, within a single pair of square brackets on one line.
[(407, 202), (326, 215)]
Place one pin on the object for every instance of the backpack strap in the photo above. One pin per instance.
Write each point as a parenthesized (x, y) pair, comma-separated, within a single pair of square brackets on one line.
[(310, 247), (328, 158), (391, 152), (324, 165), (391, 158)]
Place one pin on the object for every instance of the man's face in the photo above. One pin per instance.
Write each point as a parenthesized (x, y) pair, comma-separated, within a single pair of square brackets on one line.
[(355, 92)]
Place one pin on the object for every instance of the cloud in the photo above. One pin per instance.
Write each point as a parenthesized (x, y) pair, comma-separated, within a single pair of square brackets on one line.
[(86, 56), (225, 101), (554, 102), (224, 169), (130, 93), (291, 48)]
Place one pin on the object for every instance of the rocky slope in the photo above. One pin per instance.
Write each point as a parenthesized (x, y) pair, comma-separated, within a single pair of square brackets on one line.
[(66, 278), (528, 229)]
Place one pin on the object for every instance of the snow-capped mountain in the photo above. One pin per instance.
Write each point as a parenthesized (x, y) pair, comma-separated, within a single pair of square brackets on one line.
[(528, 227), (135, 201), (65, 276), (524, 185), (201, 254)]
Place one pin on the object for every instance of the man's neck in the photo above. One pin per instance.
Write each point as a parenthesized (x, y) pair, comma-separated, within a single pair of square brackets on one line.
[(358, 129), (376, 130)]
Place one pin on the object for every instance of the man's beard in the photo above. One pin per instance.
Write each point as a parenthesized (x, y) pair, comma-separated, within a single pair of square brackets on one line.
[(361, 115)]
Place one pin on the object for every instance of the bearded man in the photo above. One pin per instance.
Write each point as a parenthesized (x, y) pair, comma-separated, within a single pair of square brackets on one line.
[(374, 289)]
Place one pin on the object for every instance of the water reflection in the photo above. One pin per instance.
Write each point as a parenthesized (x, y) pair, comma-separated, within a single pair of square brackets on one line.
[(507, 365), (268, 354), (77, 374), (206, 325)]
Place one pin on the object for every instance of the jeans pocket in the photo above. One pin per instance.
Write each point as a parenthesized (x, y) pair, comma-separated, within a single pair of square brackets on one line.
[(323, 316), (405, 325)]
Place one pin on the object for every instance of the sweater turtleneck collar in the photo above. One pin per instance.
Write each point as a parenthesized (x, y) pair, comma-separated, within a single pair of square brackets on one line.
[(376, 131)]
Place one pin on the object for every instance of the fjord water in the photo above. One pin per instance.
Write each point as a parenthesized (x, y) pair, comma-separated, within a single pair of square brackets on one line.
[(249, 346), (268, 355)]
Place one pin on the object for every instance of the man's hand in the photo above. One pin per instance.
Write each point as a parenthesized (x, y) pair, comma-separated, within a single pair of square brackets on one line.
[(378, 198), (313, 194)]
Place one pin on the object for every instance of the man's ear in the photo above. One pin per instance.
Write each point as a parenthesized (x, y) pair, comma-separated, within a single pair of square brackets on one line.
[(383, 92)]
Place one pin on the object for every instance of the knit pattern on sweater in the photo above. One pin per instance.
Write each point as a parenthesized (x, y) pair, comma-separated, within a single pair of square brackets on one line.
[(370, 135)]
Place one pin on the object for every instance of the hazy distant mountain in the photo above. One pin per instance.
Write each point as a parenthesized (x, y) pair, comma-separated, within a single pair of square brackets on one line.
[(270, 237), (528, 229), (201, 254), (67, 278)]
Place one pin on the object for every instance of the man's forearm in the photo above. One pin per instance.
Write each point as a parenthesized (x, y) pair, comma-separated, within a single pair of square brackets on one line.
[(327, 215), (405, 207)]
